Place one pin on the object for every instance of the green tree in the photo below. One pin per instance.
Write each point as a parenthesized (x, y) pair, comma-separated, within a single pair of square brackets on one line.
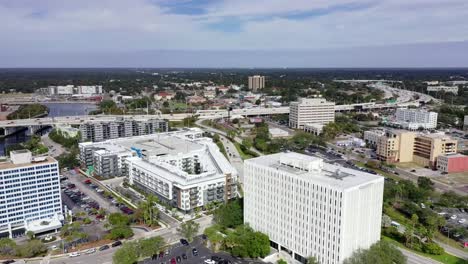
[(7, 247), (188, 229), (425, 183), (30, 235), (214, 236), (150, 246), (127, 254), (31, 249), (282, 261), (312, 260), (150, 211), (120, 232), (247, 142), (119, 219), (230, 215), (244, 242), (381, 252)]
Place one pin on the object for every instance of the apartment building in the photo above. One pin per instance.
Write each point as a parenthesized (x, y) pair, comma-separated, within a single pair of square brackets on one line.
[(427, 147), (395, 146), (311, 111), (124, 127), (29, 194), (182, 168), (371, 137), (256, 82), (414, 119), (310, 208)]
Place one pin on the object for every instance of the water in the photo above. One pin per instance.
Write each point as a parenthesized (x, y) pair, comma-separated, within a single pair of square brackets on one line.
[(69, 109)]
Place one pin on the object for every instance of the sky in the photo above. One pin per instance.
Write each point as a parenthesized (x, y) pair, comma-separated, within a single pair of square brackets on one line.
[(233, 33)]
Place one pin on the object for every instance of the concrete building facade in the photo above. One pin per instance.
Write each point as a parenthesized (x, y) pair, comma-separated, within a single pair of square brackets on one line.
[(443, 88), (428, 147), (30, 194), (256, 82), (99, 131), (311, 111), (396, 146), (414, 119), (452, 163), (311, 208), (371, 137)]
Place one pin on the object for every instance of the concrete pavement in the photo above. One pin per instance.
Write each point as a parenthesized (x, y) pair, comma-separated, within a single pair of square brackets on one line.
[(55, 149)]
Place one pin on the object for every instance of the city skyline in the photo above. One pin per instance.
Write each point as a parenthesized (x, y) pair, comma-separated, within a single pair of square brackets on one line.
[(210, 33)]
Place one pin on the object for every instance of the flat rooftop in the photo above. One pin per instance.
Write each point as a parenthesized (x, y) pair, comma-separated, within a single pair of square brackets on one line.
[(316, 170), (9, 165), (161, 144)]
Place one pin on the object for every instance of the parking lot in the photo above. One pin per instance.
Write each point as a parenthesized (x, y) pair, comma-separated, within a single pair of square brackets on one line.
[(178, 250), (456, 223)]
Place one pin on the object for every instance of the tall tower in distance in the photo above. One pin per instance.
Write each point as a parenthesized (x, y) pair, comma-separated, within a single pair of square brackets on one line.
[(256, 82)]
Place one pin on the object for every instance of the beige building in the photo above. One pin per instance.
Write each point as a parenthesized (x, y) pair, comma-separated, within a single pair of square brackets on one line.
[(256, 82), (428, 147), (311, 111), (396, 146)]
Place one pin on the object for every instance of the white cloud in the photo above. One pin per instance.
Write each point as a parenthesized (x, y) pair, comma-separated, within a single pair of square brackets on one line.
[(88, 25)]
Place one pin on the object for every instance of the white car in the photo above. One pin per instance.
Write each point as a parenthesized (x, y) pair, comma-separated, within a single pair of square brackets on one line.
[(461, 221), (453, 217), (90, 251), (74, 254), (209, 261)]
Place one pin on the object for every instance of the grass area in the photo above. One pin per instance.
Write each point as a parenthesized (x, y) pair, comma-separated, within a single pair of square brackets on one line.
[(396, 216), (455, 178), (243, 155), (440, 237), (444, 258), (222, 149)]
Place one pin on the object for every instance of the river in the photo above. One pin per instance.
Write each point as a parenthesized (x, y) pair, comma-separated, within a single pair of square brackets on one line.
[(55, 109)]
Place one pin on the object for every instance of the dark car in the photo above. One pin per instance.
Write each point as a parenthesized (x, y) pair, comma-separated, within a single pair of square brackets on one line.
[(104, 248), (215, 258), (178, 259), (8, 261), (184, 256), (204, 236), (117, 243), (195, 252), (184, 242)]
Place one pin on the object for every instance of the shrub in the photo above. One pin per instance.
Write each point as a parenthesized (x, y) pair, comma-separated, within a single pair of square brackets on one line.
[(120, 232), (433, 249)]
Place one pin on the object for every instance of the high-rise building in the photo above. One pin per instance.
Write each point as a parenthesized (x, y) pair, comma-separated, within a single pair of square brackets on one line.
[(414, 119), (465, 123), (395, 146), (428, 147), (256, 82), (125, 127), (311, 110), (29, 194), (311, 208)]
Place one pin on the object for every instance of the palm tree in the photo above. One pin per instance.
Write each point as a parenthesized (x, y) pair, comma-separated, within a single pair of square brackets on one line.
[(150, 211), (188, 229)]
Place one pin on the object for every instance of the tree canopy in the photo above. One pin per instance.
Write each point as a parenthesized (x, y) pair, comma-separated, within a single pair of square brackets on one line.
[(381, 252)]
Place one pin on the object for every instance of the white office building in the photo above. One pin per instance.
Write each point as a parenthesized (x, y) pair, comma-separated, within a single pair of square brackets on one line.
[(315, 129), (311, 111), (311, 208), (443, 88), (29, 194), (89, 89), (182, 168), (413, 119)]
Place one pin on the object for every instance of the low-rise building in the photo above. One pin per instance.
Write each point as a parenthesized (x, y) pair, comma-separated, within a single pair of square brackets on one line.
[(30, 194), (315, 129), (311, 208), (427, 147), (452, 163), (195, 99), (164, 96), (443, 88), (465, 123), (278, 132)]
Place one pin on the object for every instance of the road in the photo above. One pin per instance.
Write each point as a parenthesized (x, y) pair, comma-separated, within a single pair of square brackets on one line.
[(55, 149), (453, 251), (170, 235), (234, 157), (416, 259)]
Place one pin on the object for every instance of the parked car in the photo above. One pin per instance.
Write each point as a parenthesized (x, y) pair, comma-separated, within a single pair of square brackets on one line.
[(209, 261), (453, 217), (179, 259), (117, 243), (74, 254), (195, 252), (90, 251), (184, 242), (104, 248), (173, 261), (184, 256), (461, 221)]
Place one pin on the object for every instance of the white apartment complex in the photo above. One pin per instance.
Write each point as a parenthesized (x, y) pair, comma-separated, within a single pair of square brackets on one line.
[(414, 119), (311, 208), (182, 168), (71, 90), (124, 127), (256, 82), (29, 194), (311, 111), (443, 88)]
